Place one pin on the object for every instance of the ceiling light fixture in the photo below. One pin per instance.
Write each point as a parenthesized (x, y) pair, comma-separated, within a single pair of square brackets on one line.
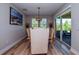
[(38, 18)]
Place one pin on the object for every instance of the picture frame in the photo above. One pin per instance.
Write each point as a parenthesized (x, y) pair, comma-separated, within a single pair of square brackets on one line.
[(16, 18)]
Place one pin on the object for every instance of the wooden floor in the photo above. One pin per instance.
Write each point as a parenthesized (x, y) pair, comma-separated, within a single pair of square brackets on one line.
[(23, 48)]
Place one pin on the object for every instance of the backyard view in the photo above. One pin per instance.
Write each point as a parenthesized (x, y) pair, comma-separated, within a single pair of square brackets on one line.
[(66, 24), (66, 28)]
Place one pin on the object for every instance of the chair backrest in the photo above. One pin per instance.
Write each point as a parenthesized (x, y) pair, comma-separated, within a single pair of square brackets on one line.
[(28, 31), (52, 37), (51, 33)]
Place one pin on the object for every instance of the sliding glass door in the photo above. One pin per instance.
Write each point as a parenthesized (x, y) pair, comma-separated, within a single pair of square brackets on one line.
[(66, 28), (63, 28)]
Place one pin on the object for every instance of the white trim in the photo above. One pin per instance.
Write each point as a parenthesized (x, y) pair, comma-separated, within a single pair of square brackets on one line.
[(10, 46), (66, 11), (74, 51), (63, 10)]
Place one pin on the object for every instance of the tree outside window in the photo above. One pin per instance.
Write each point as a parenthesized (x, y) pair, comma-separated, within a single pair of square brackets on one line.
[(43, 23)]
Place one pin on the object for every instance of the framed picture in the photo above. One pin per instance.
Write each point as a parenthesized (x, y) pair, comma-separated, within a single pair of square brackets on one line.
[(16, 18)]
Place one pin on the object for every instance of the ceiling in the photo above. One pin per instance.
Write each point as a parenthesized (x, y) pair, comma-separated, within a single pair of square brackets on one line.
[(45, 8)]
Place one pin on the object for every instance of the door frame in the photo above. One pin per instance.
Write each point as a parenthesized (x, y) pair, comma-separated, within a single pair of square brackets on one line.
[(68, 9)]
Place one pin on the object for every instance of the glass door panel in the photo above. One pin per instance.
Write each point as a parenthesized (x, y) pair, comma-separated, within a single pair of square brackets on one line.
[(58, 27), (66, 28)]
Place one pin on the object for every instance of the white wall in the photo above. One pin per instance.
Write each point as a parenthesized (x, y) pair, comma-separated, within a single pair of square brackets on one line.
[(75, 26), (9, 33)]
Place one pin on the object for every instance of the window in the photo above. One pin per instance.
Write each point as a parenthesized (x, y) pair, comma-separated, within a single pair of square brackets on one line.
[(43, 23), (58, 27), (58, 23), (34, 23)]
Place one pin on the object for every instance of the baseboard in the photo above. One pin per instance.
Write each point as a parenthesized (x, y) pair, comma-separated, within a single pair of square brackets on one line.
[(10, 46), (74, 51)]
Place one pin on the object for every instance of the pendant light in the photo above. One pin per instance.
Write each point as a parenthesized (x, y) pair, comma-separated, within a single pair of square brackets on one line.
[(38, 18)]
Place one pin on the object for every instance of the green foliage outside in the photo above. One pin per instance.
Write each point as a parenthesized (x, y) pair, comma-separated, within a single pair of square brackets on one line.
[(58, 27), (66, 26), (34, 23), (43, 23)]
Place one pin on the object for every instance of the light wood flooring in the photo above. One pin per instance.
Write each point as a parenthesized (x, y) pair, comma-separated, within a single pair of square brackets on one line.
[(23, 48)]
